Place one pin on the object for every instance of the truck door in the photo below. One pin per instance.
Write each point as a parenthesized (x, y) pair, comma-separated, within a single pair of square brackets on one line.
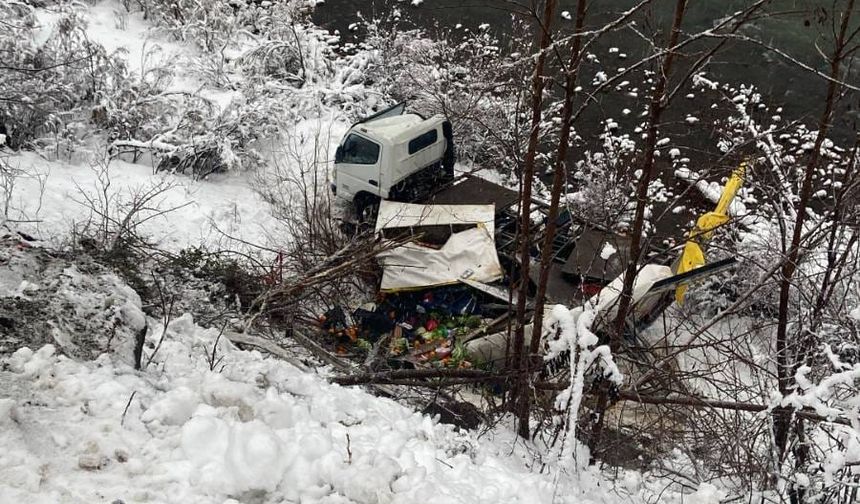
[(358, 167)]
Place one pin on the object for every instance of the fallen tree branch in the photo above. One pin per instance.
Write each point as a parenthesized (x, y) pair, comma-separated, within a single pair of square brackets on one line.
[(320, 352), (348, 259), (433, 384), (400, 375), (485, 330), (339, 364), (267, 345), (436, 378), (699, 402)]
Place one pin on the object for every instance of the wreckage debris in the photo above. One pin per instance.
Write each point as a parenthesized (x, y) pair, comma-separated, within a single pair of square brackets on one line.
[(425, 326)]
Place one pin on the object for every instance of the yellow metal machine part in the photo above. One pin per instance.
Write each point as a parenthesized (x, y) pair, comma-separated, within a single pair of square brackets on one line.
[(693, 256)]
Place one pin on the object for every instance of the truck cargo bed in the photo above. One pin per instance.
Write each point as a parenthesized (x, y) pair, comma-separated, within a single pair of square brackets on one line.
[(475, 191)]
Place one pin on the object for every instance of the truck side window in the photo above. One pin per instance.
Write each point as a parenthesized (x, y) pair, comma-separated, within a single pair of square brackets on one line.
[(422, 141), (358, 150)]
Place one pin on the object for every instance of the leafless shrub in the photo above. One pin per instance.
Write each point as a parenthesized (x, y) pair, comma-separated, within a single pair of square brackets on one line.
[(310, 274), (11, 175), (113, 231), (116, 218), (166, 304), (212, 358), (8, 178)]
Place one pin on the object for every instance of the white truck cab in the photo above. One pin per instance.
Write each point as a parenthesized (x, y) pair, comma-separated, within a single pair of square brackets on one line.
[(392, 155)]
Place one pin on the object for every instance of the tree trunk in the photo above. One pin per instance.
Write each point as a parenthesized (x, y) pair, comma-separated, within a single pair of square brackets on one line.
[(524, 405), (656, 108), (519, 357)]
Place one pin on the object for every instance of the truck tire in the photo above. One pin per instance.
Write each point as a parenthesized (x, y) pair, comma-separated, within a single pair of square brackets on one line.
[(366, 207)]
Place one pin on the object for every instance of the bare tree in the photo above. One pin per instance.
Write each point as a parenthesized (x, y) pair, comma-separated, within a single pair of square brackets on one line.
[(559, 176), (785, 367), (520, 356)]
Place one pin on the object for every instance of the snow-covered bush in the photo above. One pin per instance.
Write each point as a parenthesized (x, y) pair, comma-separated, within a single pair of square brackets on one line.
[(188, 133), (134, 106), (221, 142), (48, 79), (213, 24), (824, 462), (584, 365), (254, 55), (208, 24), (279, 42), (603, 186)]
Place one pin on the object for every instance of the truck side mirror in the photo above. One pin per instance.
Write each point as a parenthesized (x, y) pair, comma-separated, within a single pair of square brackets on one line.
[(338, 154)]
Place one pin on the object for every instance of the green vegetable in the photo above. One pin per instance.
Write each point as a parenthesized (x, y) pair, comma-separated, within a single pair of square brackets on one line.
[(473, 322), (458, 355), (400, 345)]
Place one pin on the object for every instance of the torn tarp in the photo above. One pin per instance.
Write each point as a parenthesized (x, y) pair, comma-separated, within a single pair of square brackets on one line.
[(468, 252)]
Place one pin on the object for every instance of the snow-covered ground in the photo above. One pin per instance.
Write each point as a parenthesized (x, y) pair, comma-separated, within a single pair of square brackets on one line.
[(206, 422), (50, 198), (47, 195), (255, 429), (193, 435)]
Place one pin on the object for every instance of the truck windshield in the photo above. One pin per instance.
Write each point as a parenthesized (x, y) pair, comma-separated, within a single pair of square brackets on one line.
[(358, 150)]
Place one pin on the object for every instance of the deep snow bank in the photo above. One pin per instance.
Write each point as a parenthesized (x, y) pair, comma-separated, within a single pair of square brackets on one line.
[(256, 429), (208, 422), (78, 305)]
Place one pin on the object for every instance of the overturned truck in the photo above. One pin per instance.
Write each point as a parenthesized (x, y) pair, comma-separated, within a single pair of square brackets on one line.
[(447, 292)]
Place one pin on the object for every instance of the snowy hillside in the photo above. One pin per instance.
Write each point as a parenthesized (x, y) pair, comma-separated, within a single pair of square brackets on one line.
[(51, 198), (53, 191), (255, 429), (205, 422)]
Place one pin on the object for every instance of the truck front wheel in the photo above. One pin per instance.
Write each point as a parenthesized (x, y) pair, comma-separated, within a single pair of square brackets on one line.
[(366, 208)]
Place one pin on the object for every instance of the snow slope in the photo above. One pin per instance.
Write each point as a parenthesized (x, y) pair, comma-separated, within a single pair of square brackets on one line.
[(49, 198), (255, 429), (206, 422)]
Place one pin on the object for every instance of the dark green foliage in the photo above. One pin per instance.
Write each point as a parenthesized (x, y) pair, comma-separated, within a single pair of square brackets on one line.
[(239, 282)]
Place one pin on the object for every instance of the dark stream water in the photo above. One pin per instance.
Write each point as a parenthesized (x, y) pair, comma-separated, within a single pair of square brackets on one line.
[(793, 26)]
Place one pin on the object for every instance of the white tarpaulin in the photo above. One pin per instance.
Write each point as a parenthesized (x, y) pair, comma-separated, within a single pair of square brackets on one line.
[(467, 254), (606, 301), (393, 214)]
